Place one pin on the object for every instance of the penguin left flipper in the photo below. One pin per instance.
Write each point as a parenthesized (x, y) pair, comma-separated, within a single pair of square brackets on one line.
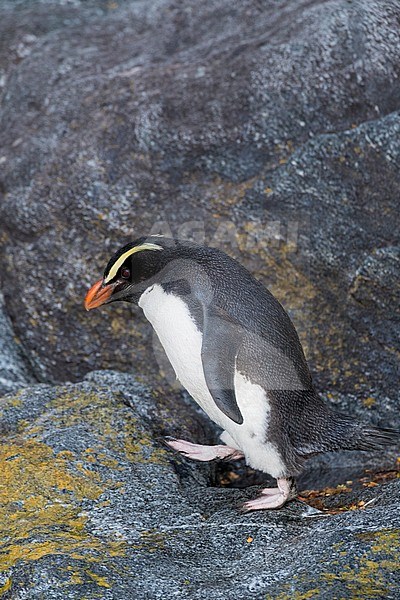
[(222, 337)]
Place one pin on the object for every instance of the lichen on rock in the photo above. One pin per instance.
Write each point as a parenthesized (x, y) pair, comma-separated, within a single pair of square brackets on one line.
[(90, 496), (269, 129)]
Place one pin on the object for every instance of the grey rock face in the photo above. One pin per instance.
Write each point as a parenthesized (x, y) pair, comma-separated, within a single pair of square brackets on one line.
[(117, 117), (375, 281), (93, 505), (14, 370)]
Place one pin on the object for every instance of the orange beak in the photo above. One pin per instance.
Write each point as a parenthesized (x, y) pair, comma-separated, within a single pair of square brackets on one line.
[(98, 295)]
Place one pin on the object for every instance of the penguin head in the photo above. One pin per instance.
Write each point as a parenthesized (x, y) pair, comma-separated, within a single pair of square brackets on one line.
[(131, 270)]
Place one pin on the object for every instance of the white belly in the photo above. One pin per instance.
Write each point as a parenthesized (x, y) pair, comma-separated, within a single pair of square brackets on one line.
[(182, 342)]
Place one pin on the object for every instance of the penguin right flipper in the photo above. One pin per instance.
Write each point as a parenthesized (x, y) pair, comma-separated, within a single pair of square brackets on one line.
[(222, 337)]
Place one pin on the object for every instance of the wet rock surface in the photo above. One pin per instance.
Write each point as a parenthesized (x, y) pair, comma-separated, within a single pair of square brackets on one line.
[(272, 131), (93, 505)]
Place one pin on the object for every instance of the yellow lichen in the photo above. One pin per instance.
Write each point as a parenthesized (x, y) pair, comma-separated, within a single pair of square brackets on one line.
[(40, 497), (295, 595), (6, 586), (76, 578), (11, 401), (42, 491), (136, 444), (99, 579), (368, 578), (151, 540), (368, 402)]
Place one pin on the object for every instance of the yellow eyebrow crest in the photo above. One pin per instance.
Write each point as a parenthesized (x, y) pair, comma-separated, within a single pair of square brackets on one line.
[(118, 263)]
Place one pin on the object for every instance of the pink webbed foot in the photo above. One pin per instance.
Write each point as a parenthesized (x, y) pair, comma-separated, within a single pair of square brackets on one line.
[(202, 452), (273, 497)]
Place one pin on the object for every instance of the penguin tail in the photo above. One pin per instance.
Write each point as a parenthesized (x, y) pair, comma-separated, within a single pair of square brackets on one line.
[(366, 437), (347, 434), (313, 427)]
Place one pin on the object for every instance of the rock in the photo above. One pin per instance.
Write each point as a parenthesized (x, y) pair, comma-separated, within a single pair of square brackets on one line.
[(344, 187), (376, 285), (14, 370), (270, 130), (275, 137), (93, 505), (376, 280)]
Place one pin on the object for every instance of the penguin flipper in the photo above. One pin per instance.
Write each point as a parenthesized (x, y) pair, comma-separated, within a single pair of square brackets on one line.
[(222, 337)]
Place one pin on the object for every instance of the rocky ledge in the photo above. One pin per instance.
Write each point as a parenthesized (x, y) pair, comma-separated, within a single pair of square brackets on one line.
[(93, 505)]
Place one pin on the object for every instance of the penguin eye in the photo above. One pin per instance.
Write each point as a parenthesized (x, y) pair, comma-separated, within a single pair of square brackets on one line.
[(125, 273)]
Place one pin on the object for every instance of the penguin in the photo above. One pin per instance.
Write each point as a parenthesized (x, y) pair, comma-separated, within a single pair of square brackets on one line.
[(235, 350)]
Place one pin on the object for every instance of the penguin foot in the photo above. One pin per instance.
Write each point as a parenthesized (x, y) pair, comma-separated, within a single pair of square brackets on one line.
[(202, 452), (273, 497)]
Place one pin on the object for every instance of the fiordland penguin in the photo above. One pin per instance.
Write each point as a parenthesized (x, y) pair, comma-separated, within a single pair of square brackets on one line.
[(235, 350)]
